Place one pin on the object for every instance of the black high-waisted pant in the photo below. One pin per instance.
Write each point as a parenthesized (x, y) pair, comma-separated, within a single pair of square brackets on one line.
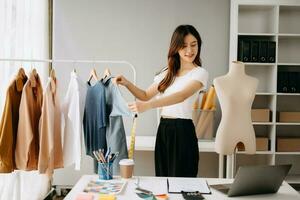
[(176, 148)]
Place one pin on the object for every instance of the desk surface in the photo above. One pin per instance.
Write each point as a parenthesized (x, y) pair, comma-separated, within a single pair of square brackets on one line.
[(286, 192)]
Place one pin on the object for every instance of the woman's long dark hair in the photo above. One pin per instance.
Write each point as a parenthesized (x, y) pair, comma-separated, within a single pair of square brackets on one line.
[(177, 43)]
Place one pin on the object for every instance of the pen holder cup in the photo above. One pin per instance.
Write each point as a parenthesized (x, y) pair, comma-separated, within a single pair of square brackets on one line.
[(105, 170), (204, 123)]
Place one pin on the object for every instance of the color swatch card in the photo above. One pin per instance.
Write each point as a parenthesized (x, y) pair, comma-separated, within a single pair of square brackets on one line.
[(105, 187)]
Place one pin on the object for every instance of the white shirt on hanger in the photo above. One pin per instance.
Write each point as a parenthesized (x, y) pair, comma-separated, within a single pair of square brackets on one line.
[(73, 108)]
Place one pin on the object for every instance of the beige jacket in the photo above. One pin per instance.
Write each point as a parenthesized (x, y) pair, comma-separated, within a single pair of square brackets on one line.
[(9, 124), (27, 146), (50, 155)]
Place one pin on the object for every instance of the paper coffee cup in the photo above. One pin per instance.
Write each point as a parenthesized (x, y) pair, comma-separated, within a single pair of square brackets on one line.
[(126, 168)]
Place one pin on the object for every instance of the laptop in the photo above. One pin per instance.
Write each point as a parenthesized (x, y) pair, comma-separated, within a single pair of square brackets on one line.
[(250, 180)]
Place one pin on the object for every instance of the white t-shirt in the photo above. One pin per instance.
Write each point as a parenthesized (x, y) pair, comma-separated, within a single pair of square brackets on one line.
[(184, 109)]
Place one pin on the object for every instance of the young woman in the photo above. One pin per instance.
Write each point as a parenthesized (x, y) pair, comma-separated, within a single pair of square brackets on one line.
[(176, 148)]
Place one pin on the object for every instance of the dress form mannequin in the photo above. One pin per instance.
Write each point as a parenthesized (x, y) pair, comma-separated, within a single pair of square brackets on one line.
[(236, 92)]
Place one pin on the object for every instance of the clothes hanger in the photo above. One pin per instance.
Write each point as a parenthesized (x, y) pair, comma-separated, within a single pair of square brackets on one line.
[(19, 79), (74, 66), (21, 73), (106, 73), (33, 76), (52, 74), (53, 80), (93, 75)]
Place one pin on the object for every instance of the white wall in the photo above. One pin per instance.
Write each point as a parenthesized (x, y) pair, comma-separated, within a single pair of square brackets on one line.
[(138, 31)]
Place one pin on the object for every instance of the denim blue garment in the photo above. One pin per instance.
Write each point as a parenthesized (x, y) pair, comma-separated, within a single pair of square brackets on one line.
[(116, 107), (94, 119)]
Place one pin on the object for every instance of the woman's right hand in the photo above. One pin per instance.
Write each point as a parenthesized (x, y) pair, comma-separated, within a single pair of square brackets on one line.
[(120, 79)]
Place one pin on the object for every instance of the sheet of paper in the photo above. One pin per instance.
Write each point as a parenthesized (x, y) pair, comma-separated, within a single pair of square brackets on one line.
[(157, 186), (176, 185)]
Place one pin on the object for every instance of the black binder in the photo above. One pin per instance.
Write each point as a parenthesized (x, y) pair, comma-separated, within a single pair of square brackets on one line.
[(240, 50), (292, 83), (283, 82), (271, 51), (254, 50), (246, 48), (298, 82), (263, 51)]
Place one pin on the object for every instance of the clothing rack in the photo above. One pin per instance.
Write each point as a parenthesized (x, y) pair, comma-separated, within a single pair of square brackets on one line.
[(75, 62)]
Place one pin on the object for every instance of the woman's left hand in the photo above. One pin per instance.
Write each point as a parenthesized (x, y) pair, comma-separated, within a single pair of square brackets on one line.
[(139, 106)]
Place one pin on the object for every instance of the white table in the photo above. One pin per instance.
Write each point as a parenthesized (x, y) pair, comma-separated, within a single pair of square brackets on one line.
[(286, 192)]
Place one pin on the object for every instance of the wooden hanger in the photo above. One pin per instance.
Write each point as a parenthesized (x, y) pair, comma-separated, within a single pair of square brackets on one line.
[(21, 73), (52, 74), (53, 80), (106, 73), (93, 75), (33, 75), (19, 79)]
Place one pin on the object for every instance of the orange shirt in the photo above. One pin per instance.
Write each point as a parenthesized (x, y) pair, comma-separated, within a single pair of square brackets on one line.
[(50, 155), (9, 124), (27, 145)]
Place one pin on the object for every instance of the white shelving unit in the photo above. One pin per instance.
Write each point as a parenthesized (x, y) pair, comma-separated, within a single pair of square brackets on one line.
[(279, 21)]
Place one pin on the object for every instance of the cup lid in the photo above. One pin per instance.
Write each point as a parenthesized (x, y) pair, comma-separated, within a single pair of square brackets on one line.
[(126, 162)]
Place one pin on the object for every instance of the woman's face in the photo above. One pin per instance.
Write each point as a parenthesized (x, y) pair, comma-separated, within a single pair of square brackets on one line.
[(189, 50)]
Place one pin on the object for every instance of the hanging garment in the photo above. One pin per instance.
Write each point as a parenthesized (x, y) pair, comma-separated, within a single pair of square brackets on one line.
[(9, 124), (27, 144), (73, 108), (116, 107), (94, 118), (50, 152)]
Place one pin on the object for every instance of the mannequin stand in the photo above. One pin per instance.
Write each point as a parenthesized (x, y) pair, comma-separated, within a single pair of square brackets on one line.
[(231, 164)]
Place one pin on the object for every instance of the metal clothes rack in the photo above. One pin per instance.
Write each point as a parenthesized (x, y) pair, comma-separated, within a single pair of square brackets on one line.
[(75, 61)]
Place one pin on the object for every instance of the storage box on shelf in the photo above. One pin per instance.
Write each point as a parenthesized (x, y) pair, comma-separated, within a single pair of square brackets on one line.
[(262, 108), (289, 117), (277, 21), (261, 115), (288, 110), (288, 144), (262, 144)]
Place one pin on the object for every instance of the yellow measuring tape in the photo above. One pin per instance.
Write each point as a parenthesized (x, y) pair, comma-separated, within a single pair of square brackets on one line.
[(132, 139)]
